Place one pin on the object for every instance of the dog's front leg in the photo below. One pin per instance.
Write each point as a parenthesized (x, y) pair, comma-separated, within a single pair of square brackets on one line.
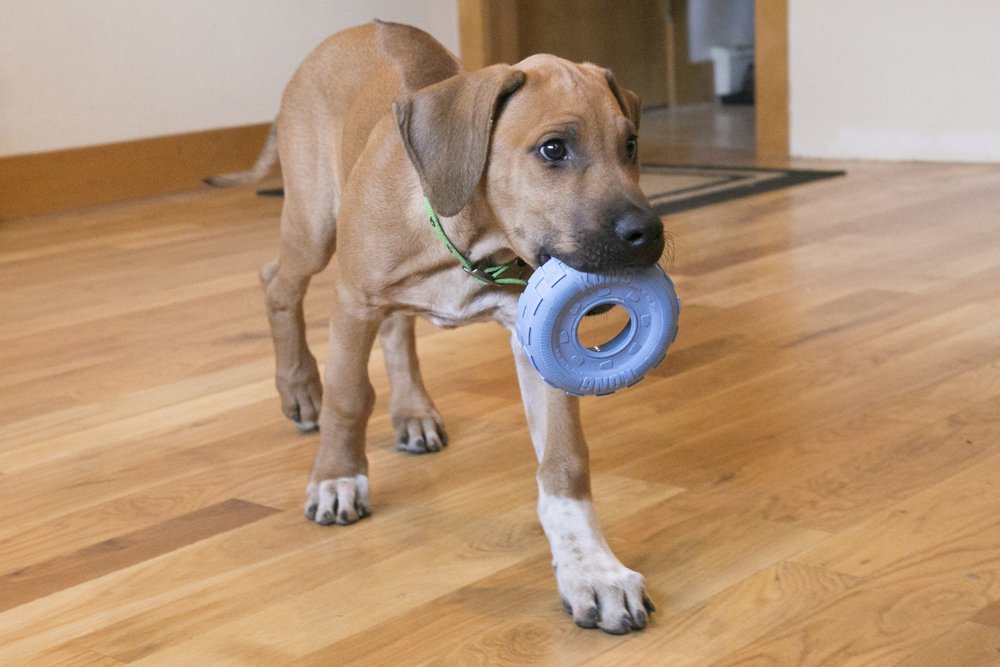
[(596, 588), (338, 484)]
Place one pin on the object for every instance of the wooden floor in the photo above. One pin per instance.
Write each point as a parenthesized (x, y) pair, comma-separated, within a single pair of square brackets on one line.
[(813, 477)]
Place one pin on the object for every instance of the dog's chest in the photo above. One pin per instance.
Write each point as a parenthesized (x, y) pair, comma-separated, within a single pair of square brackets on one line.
[(450, 310)]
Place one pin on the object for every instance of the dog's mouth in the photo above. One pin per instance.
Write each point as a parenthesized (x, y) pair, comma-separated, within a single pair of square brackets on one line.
[(633, 242), (602, 262)]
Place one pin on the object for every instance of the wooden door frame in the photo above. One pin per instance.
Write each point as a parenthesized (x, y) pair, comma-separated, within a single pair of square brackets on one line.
[(487, 34), (771, 78)]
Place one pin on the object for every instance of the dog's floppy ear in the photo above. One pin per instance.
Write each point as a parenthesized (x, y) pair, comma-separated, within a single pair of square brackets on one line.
[(627, 100), (446, 130)]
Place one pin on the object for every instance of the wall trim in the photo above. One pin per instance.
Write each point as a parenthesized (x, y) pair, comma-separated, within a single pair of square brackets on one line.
[(40, 183)]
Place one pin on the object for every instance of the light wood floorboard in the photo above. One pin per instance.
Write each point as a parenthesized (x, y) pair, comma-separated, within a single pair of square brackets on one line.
[(812, 478)]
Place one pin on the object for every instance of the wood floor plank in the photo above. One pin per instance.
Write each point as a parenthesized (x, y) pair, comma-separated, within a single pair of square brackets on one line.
[(142, 498), (44, 493), (927, 566), (943, 516), (968, 645), (989, 615), (300, 624), (752, 606), (822, 400), (513, 614), (70, 655), (45, 577)]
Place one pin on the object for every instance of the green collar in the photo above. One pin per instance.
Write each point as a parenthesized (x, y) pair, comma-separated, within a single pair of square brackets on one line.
[(487, 275)]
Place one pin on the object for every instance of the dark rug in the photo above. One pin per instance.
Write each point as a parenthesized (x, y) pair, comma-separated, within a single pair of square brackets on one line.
[(675, 188)]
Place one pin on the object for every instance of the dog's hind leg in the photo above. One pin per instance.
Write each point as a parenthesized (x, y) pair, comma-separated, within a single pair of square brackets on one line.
[(308, 239), (418, 425)]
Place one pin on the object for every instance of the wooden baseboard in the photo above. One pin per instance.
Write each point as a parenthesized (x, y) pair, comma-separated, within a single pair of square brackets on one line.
[(42, 183)]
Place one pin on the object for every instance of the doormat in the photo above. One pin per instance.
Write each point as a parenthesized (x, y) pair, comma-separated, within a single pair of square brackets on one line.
[(676, 188)]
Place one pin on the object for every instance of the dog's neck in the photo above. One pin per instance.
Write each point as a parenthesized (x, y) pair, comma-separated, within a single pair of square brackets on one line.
[(488, 271)]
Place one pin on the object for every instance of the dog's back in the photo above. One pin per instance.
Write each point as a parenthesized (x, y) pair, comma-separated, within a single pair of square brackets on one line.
[(357, 73)]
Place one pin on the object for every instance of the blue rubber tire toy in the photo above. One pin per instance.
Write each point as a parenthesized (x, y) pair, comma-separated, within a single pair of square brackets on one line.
[(556, 300)]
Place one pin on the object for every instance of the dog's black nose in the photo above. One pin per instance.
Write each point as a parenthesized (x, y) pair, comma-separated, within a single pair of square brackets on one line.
[(639, 227), (642, 231)]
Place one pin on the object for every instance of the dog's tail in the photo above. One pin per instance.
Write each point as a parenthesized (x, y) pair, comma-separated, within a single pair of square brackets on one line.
[(265, 163)]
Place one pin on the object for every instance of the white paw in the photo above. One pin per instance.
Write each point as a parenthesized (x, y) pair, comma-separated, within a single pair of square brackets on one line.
[(600, 592), (597, 590), (343, 500)]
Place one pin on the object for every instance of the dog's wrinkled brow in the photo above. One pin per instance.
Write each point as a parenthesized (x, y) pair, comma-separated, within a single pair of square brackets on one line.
[(568, 129)]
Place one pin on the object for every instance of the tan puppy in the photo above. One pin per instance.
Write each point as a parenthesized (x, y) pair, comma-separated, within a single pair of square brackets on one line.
[(526, 161)]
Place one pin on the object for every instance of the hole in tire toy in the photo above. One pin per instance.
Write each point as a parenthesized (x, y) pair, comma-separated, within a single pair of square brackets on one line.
[(550, 322)]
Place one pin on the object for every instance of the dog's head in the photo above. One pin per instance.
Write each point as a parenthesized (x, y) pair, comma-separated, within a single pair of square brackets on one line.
[(553, 145)]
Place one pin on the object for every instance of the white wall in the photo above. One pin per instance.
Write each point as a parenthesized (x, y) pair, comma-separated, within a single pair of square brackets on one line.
[(77, 73), (895, 79)]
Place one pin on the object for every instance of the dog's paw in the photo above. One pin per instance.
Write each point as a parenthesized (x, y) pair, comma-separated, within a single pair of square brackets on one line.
[(344, 500), (420, 434), (603, 593), (301, 392)]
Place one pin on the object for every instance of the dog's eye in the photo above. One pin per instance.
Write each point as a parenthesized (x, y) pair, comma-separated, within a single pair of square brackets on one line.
[(553, 150), (631, 148)]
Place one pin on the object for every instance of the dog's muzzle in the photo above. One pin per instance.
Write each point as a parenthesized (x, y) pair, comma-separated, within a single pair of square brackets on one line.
[(630, 237), (640, 231)]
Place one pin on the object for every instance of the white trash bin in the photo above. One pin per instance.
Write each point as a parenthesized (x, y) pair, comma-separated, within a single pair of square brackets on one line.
[(729, 67)]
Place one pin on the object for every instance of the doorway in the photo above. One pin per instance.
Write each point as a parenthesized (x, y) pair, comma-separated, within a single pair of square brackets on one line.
[(651, 48)]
